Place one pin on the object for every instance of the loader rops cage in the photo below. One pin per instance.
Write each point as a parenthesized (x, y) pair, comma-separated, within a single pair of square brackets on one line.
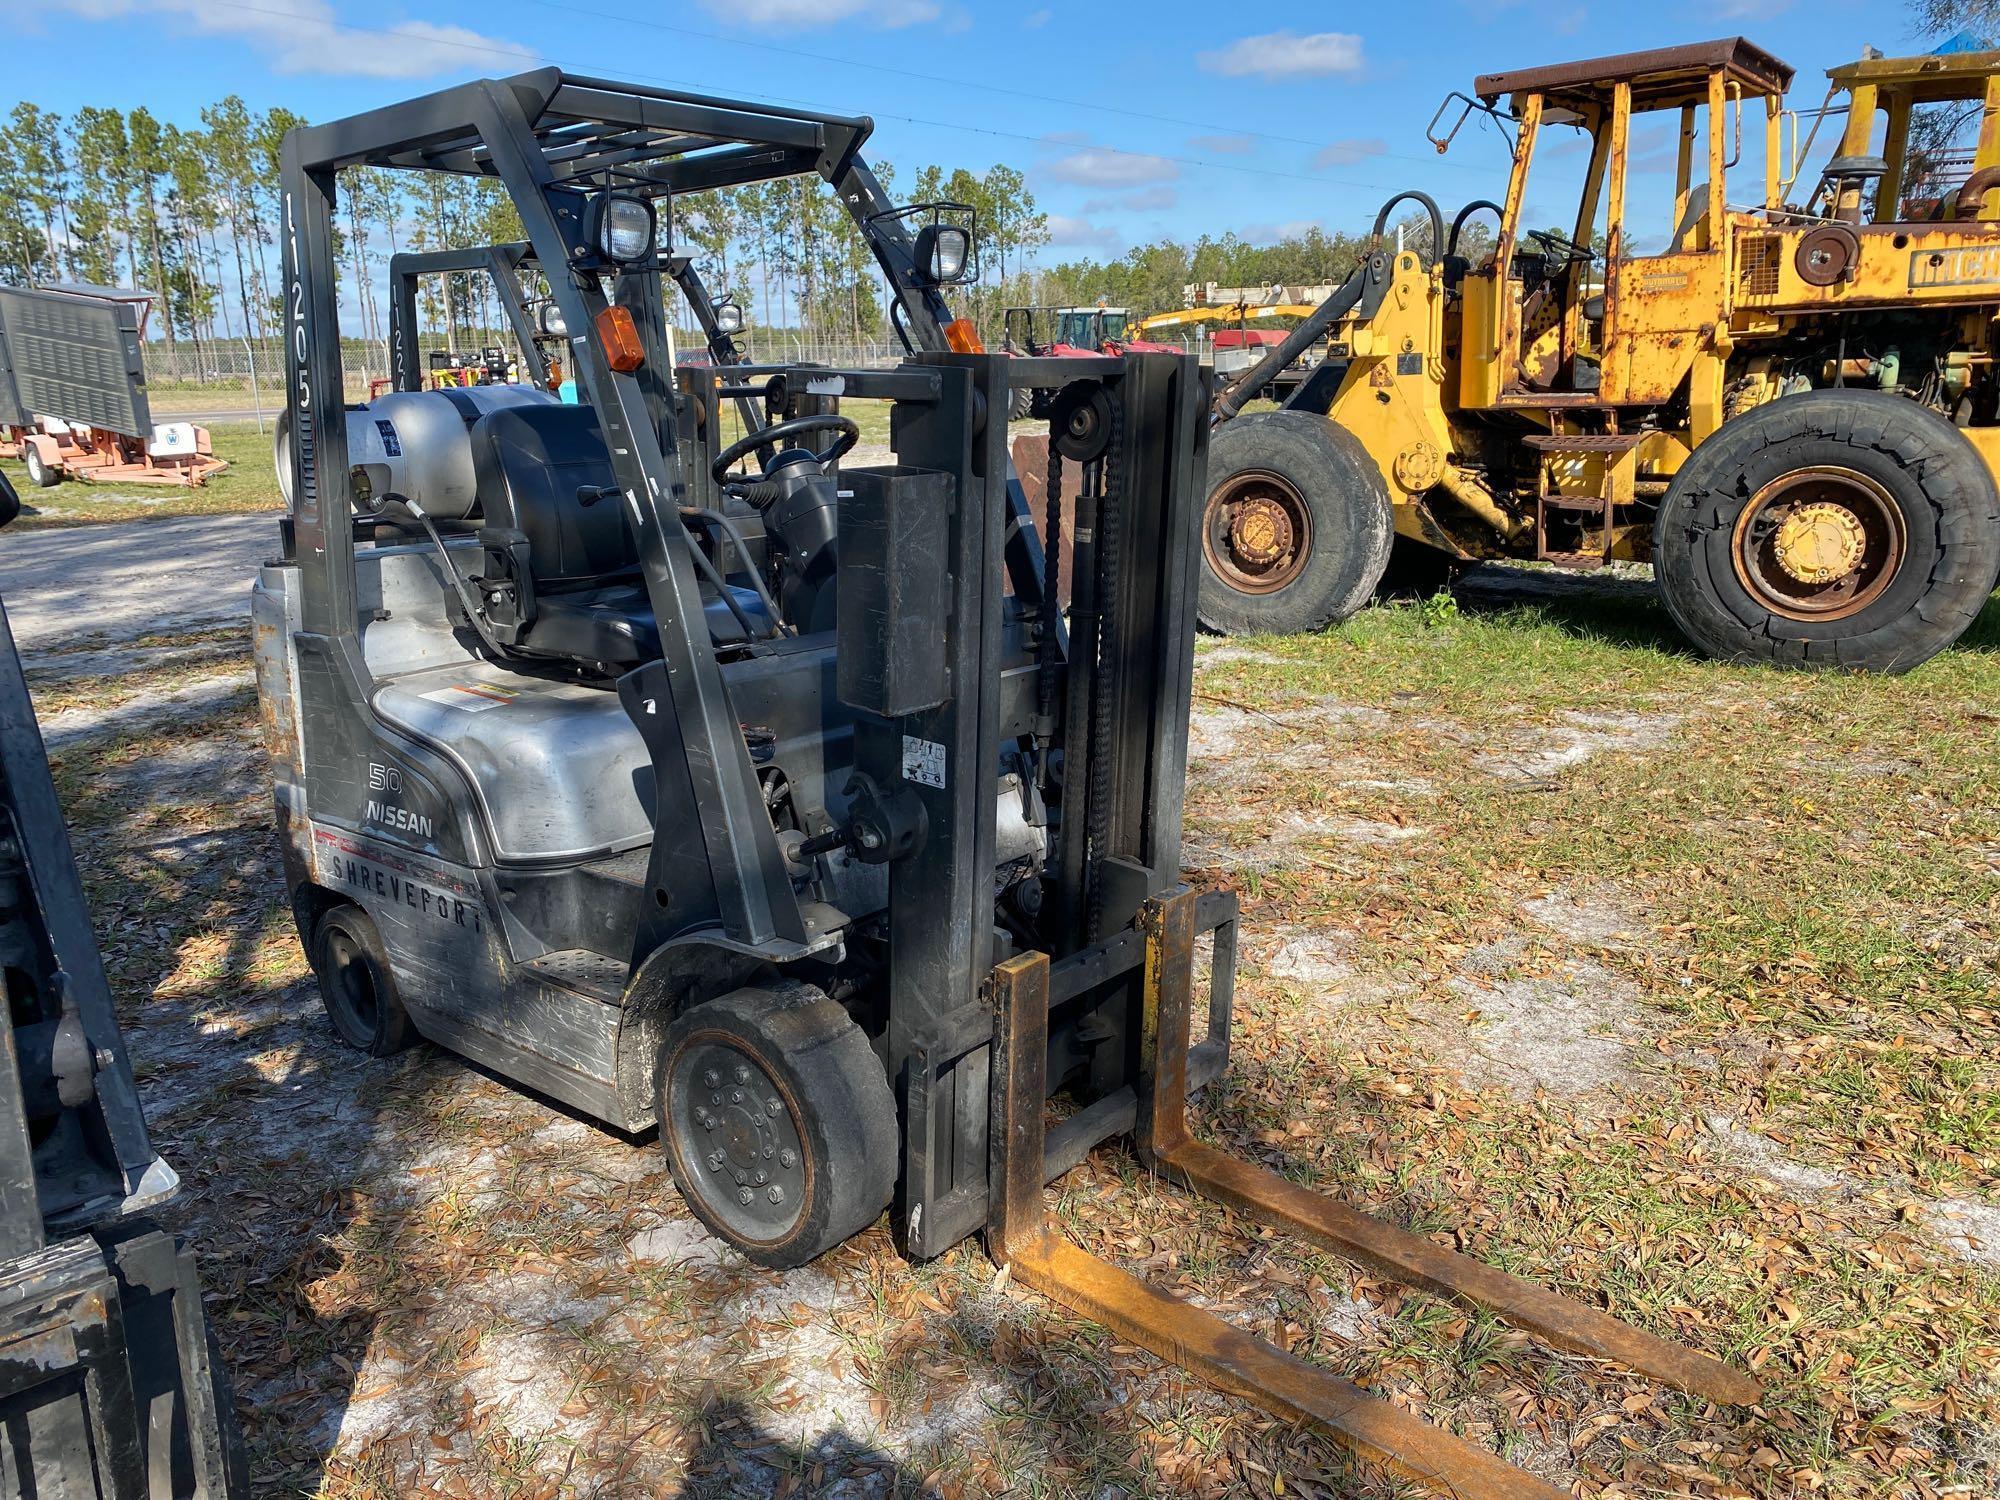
[(1774, 386), (778, 807)]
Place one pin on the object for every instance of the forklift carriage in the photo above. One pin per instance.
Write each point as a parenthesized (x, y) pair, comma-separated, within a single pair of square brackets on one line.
[(777, 807)]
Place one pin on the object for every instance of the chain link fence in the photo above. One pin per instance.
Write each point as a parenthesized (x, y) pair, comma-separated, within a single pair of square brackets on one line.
[(242, 372)]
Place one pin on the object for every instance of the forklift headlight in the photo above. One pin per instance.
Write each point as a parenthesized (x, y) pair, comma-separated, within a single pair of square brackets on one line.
[(944, 253), (551, 322), (728, 318), (623, 228)]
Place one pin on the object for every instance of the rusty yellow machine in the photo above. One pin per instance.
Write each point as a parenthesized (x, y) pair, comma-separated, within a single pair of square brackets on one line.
[(1788, 408)]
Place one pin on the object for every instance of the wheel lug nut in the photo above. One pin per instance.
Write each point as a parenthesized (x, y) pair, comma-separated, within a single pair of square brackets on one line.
[(715, 1161), (763, 1177), (773, 1107), (715, 1098), (711, 1079), (742, 1073), (744, 1197), (736, 1096), (788, 1158), (776, 1195), (767, 1153)]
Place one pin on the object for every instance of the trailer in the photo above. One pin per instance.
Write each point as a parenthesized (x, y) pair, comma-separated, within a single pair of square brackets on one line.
[(73, 392)]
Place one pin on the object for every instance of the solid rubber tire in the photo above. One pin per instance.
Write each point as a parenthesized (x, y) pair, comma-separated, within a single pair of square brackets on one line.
[(1951, 522), (1351, 520), (391, 1030), (843, 1107)]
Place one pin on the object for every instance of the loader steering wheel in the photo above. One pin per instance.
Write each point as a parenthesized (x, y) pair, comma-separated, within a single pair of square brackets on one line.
[(1559, 248), (779, 433)]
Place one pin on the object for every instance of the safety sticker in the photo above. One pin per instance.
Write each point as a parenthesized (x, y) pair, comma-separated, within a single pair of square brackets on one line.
[(474, 698), (923, 761)]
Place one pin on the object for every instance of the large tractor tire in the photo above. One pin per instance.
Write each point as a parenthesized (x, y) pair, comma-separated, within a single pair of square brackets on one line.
[(1837, 528), (1296, 531), (778, 1122)]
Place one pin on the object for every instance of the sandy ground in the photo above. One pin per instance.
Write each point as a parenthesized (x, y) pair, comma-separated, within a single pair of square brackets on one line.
[(427, 1281)]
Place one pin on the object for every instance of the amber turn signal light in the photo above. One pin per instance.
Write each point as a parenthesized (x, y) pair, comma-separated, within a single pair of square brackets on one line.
[(620, 337), (963, 337)]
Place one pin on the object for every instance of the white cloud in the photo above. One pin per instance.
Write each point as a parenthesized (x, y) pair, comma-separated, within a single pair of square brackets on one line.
[(303, 36), (786, 15), (1097, 167), (1266, 234), (1286, 54), (1346, 153), (1224, 145), (1141, 201), (1063, 230)]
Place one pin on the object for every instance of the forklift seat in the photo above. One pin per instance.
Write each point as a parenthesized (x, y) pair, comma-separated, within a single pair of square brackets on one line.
[(540, 470)]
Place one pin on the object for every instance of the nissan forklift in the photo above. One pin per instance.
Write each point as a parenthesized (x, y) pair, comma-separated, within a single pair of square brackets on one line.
[(713, 784)]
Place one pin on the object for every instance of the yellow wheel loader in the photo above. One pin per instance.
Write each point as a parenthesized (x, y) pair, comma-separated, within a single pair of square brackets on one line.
[(1777, 389)]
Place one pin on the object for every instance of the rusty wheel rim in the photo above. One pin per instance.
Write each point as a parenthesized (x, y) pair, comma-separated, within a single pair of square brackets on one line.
[(1257, 531), (1819, 544)]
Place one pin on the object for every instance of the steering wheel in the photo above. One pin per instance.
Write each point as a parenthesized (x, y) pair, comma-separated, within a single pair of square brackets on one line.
[(1560, 247), (778, 433)]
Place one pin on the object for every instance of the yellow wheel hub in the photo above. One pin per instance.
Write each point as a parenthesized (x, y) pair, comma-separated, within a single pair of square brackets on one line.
[(1819, 543), (1262, 532)]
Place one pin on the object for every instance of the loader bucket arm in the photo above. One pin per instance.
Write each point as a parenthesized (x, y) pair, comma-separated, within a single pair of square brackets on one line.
[(1365, 290)]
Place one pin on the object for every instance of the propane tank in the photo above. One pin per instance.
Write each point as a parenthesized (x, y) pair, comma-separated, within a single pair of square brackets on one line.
[(416, 444)]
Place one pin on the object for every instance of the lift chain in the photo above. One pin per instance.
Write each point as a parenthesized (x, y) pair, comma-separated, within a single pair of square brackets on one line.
[(1045, 650), (1104, 689)]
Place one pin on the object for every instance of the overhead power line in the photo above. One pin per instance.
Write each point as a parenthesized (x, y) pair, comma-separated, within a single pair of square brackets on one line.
[(891, 70), (516, 56)]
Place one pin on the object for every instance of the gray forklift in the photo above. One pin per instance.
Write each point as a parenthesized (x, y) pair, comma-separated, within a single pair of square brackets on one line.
[(706, 782), (110, 1384)]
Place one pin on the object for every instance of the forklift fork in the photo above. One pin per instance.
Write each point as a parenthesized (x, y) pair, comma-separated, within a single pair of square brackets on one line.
[(1022, 1236)]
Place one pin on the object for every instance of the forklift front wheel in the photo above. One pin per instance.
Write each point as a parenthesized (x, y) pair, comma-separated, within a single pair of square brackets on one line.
[(777, 1121), (356, 984)]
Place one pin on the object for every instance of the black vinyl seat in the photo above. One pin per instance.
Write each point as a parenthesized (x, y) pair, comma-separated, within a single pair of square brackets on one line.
[(540, 469), (583, 597)]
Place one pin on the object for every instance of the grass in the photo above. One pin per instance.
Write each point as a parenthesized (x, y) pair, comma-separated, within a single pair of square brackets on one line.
[(250, 483)]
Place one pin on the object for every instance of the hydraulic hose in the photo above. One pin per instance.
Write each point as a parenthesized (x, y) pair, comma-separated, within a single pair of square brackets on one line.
[(1430, 207), (1451, 240)]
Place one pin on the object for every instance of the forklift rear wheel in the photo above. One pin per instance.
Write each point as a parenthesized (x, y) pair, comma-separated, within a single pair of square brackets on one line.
[(1297, 528), (777, 1121), (1835, 528), (41, 475), (356, 984)]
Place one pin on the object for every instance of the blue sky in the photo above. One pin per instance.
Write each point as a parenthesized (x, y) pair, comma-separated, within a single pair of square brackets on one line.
[(1131, 118)]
